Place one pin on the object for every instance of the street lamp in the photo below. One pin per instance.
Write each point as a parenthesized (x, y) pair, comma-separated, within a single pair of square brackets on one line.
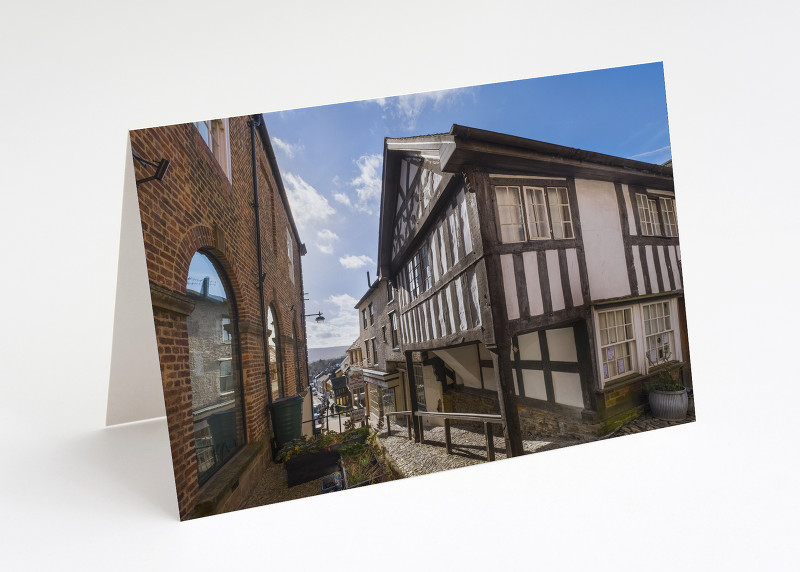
[(320, 318)]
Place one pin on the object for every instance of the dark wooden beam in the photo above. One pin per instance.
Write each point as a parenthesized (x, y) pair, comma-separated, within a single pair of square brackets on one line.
[(411, 380)]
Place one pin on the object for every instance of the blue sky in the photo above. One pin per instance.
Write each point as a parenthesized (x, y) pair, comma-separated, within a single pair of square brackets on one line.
[(330, 158)]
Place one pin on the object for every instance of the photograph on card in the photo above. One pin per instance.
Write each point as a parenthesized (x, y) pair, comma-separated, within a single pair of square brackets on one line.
[(361, 292)]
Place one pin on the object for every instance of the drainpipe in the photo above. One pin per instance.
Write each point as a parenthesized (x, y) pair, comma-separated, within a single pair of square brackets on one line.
[(261, 275)]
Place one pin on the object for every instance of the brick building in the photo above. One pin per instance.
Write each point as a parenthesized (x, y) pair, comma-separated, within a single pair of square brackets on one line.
[(217, 325), (375, 357)]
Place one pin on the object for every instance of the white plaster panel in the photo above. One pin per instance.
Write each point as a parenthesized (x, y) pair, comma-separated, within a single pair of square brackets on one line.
[(442, 249), (567, 388), (637, 267), (554, 276), (510, 286), (462, 313), (673, 256), (483, 352), (531, 266), (602, 239), (628, 207), (561, 345), (442, 316), (489, 381), (449, 297), (434, 250), (474, 298), (533, 382), (529, 348), (662, 259), (574, 273), (462, 207), (651, 268), (434, 323), (424, 310)]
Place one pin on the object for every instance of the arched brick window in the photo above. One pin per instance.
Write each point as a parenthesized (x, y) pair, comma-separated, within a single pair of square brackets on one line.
[(213, 366)]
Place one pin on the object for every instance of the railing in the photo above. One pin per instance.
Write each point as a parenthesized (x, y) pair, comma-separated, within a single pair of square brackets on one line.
[(487, 419)]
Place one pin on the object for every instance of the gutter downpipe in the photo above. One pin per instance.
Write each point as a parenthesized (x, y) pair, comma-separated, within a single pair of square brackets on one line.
[(261, 275)]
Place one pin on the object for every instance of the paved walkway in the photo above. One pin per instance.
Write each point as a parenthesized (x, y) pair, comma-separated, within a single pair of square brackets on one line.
[(469, 446)]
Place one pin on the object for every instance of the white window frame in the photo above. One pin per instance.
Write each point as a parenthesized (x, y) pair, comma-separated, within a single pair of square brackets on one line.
[(230, 375), (226, 336), (419, 272), (535, 206), (667, 206), (659, 332), (657, 217), (640, 363), (609, 352), (216, 134)]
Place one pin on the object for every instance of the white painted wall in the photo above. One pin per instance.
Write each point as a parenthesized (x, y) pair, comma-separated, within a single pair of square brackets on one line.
[(561, 345), (602, 239), (567, 388), (529, 348), (464, 361), (510, 286)]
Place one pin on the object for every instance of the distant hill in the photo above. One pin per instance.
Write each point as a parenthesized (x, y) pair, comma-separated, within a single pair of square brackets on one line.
[(315, 354)]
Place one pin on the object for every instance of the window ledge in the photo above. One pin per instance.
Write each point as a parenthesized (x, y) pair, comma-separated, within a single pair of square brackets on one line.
[(635, 377)]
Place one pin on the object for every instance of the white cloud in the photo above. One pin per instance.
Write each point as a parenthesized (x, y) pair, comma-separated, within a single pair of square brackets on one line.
[(665, 151), (307, 204), (288, 149), (340, 327), (325, 240), (342, 198), (352, 262), (408, 108), (368, 182)]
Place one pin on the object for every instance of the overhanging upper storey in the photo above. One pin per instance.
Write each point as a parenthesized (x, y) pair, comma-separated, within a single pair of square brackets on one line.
[(506, 153), (419, 171)]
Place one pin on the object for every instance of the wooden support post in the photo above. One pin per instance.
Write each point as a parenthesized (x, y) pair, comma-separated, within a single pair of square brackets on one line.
[(421, 430), (408, 426), (388, 426), (412, 393), (447, 442), (487, 430), (508, 402)]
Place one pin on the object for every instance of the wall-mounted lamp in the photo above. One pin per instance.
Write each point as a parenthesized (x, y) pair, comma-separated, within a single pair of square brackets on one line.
[(320, 318), (161, 168)]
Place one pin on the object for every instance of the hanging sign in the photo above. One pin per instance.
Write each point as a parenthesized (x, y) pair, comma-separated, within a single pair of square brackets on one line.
[(357, 415)]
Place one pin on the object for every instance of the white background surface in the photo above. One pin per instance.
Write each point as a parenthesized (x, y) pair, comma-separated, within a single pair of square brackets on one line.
[(722, 493)]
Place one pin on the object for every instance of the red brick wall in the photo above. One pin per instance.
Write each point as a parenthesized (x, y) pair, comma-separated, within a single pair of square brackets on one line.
[(197, 207)]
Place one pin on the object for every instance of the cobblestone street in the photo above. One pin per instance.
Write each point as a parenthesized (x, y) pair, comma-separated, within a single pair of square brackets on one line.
[(469, 446)]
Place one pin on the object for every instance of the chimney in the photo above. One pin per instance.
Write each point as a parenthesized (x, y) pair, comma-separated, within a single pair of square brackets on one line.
[(204, 287), (369, 282)]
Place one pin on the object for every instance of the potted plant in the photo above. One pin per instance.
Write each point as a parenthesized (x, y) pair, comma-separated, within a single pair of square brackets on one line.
[(667, 397)]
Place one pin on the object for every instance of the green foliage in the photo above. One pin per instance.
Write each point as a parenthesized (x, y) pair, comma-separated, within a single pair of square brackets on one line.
[(297, 447), (304, 445), (665, 378), (352, 449)]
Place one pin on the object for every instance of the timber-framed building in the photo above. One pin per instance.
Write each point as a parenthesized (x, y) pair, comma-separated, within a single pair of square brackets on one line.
[(533, 280)]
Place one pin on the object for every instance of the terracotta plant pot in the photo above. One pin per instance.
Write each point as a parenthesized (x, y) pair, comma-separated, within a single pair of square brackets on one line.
[(669, 405)]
